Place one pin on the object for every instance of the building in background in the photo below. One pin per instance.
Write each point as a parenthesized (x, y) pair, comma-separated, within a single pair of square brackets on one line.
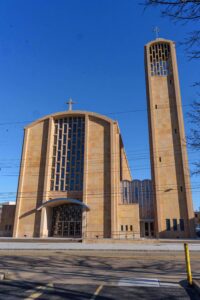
[(7, 210), (197, 217), (174, 216), (69, 184), (197, 222)]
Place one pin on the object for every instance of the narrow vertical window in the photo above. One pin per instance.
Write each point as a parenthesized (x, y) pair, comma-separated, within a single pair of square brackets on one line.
[(168, 226), (125, 194), (122, 228), (182, 227), (62, 185), (175, 224)]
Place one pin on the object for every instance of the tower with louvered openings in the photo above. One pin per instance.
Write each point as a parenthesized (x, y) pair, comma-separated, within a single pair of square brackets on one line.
[(174, 217)]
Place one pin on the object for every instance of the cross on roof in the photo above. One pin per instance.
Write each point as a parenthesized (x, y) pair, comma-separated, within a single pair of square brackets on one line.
[(156, 30), (70, 103)]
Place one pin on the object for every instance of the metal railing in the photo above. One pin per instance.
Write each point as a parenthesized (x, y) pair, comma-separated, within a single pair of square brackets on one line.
[(114, 235)]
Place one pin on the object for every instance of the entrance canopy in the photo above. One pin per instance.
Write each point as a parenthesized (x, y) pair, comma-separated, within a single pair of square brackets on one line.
[(60, 201)]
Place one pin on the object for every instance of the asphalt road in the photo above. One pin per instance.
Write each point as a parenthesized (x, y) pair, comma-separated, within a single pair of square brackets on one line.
[(11, 290), (96, 275)]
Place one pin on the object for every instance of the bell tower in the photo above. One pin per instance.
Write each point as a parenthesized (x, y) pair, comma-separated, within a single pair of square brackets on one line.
[(174, 216)]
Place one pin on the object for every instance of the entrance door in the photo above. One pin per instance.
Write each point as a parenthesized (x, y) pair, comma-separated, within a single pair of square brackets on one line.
[(67, 221), (147, 229)]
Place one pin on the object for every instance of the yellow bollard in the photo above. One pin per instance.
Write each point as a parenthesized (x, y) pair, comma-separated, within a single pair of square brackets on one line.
[(188, 266)]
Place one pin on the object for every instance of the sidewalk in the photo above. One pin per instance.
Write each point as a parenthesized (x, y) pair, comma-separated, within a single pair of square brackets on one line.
[(40, 245)]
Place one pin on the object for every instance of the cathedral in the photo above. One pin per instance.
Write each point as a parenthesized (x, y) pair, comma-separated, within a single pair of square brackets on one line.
[(75, 180)]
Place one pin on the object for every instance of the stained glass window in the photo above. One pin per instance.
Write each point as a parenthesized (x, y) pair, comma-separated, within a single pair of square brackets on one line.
[(68, 154)]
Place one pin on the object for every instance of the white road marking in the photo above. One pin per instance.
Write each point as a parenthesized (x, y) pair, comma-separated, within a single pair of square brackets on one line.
[(38, 291), (142, 282), (138, 282), (168, 284), (97, 292)]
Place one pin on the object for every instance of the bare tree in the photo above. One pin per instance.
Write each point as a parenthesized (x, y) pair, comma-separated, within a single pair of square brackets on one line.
[(194, 138), (186, 11), (182, 11)]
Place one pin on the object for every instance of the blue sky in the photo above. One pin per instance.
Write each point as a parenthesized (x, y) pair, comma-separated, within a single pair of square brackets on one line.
[(91, 50)]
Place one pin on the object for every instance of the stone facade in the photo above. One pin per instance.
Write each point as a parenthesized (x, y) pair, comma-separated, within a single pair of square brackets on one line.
[(174, 214), (43, 182)]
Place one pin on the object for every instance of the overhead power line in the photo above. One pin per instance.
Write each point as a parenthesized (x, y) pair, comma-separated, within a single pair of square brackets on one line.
[(147, 155), (96, 195), (109, 113)]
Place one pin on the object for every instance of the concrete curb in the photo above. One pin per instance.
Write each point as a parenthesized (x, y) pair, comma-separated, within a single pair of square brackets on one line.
[(98, 247), (98, 241), (196, 285)]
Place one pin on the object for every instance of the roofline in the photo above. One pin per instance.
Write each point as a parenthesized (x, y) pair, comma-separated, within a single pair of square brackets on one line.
[(137, 180), (71, 113), (159, 40)]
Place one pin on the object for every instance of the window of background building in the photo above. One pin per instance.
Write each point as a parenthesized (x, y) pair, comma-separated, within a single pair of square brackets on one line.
[(136, 194), (125, 193)]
